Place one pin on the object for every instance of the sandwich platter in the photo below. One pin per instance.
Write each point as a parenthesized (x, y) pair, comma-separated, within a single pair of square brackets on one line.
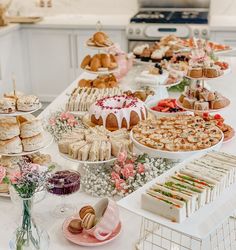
[(18, 113), (202, 222), (48, 139), (177, 155), (67, 157)]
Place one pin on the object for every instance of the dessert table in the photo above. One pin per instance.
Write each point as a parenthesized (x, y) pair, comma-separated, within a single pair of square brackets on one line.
[(9, 214)]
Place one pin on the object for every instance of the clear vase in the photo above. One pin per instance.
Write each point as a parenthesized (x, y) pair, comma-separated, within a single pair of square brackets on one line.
[(29, 236)]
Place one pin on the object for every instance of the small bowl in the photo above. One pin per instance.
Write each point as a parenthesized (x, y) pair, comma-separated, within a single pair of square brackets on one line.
[(159, 114)]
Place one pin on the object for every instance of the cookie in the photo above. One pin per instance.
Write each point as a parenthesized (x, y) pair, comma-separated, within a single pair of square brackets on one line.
[(75, 226), (86, 209)]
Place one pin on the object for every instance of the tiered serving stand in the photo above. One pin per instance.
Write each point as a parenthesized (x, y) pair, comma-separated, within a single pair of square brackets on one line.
[(48, 139)]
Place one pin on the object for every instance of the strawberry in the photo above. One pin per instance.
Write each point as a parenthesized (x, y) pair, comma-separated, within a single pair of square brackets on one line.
[(205, 114), (217, 116), (219, 124)]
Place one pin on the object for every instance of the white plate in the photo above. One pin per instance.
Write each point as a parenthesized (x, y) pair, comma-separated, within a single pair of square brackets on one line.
[(173, 155), (225, 72), (201, 111), (98, 48), (22, 112), (138, 61), (178, 81), (101, 72), (5, 195), (48, 139), (66, 156)]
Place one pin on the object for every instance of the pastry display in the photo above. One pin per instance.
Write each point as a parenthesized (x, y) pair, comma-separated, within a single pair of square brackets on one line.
[(7, 105), (119, 111), (198, 183), (11, 103), (140, 94), (178, 133), (94, 144), (23, 133), (64, 182), (100, 82), (99, 62), (202, 99), (218, 120), (82, 98), (100, 39), (167, 105)]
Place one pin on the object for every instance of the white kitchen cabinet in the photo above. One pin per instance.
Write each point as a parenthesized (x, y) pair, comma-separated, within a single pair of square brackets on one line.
[(11, 61), (51, 61)]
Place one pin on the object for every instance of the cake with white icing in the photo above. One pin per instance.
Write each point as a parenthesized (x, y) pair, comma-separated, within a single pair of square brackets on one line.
[(119, 111)]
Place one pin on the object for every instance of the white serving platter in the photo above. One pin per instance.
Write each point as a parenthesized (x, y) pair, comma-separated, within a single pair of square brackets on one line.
[(67, 157), (177, 155), (101, 72), (48, 139), (17, 113), (201, 223)]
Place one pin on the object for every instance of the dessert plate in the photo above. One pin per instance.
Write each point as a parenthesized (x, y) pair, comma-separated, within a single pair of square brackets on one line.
[(225, 72), (175, 155), (202, 111), (48, 139), (84, 239), (17, 113), (67, 157), (98, 48)]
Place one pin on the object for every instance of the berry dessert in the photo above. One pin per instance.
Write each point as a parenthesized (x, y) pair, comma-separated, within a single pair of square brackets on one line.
[(167, 105), (64, 182)]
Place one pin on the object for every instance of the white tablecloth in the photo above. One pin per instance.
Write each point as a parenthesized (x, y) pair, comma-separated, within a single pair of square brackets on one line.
[(9, 214)]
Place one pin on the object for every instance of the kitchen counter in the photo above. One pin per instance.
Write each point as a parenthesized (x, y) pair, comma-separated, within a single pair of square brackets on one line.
[(223, 23), (82, 22), (130, 230), (9, 28)]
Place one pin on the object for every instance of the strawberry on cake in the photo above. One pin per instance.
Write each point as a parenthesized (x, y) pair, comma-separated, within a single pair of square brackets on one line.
[(119, 111)]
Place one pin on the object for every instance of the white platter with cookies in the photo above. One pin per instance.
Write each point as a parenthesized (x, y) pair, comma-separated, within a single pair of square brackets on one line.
[(43, 142), (99, 48)]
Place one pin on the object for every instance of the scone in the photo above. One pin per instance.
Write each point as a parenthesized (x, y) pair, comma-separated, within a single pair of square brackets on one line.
[(30, 128), (33, 143), (11, 146), (7, 105), (8, 128), (27, 103)]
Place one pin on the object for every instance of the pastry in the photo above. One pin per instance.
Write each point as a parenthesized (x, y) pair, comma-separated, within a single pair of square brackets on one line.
[(27, 103), (95, 64), (117, 112), (85, 61), (85, 210), (100, 39), (9, 128), (105, 60), (41, 159), (7, 105), (14, 95), (138, 50), (188, 103), (9, 161), (195, 72), (75, 226), (146, 55), (198, 105), (33, 143), (11, 146), (212, 72), (30, 128), (88, 221)]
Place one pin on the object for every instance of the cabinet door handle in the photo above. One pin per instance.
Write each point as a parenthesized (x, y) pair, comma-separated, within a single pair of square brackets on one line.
[(70, 52), (76, 51)]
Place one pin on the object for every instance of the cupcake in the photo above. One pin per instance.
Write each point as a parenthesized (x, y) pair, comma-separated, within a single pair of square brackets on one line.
[(145, 56), (138, 50)]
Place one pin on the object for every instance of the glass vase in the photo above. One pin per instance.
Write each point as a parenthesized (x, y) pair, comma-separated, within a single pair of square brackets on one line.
[(29, 236)]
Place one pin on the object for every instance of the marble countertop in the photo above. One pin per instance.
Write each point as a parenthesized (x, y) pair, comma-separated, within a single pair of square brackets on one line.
[(223, 23), (6, 29), (82, 21)]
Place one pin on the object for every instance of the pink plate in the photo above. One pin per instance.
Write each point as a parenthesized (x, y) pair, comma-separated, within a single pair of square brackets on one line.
[(84, 239)]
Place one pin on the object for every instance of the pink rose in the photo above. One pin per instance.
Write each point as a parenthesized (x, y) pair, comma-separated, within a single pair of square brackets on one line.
[(63, 116), (52, 122), (128, 171), (141, 168), (15, 176), (122, 156), (119, 184), (2, 173), (117, 168), (115, 176)]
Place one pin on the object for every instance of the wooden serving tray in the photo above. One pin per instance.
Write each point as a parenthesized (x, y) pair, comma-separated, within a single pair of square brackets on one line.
[(24, 19)]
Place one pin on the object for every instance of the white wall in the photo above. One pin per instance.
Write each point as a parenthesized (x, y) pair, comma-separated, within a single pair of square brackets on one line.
[(29, 7)]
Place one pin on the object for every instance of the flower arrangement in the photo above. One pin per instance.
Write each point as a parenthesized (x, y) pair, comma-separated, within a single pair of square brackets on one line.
[(27, 181), (62, 122), (126, 175)]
